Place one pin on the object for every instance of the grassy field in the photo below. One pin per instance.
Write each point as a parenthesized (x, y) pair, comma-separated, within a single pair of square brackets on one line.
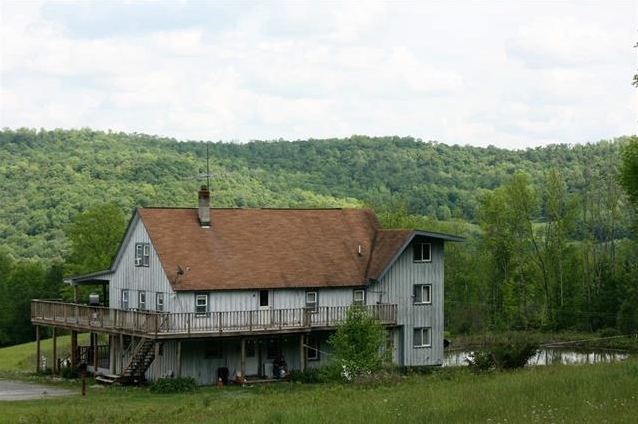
[(588, 394)]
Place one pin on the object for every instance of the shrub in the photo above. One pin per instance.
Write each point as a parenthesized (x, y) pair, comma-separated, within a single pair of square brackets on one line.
[(511, 352), (481, 361), (174, 385), (324, 374), (69, 372), (357, 344)]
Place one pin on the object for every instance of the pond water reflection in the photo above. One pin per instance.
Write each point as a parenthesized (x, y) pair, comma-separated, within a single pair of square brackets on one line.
[(548, 356)]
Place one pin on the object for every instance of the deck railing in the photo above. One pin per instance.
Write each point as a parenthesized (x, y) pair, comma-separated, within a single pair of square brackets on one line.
[(162, 324)]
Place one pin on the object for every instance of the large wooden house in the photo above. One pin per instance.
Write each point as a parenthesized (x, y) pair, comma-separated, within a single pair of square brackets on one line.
[(216, 293)]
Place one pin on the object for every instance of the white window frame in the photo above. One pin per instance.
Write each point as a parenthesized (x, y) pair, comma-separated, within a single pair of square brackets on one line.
[(159, 301), (423, 294), (422, 337), (141, 300), (142, 254), (419, 252), (124, 299), (198, 305), (312, 304), (359, 297)]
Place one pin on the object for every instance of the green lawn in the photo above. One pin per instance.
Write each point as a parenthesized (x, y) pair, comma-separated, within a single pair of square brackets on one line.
[(587, 394)]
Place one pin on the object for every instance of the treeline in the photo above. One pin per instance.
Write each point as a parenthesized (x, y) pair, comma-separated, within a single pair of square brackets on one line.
[(548, 229)]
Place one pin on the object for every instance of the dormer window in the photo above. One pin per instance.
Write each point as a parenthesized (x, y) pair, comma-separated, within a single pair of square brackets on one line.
[(142, 254), (422, 252)]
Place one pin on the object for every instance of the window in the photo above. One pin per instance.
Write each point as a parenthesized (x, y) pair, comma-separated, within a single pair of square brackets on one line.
[(251, 348), (142, 254), (141, 301), (312, 348), (124, 299), (422, 293), (359, 297), (201, 304), (159, 301), (422, 252), (312, 301), (422, 337), (213, 349), (274, 349), (263, 298)]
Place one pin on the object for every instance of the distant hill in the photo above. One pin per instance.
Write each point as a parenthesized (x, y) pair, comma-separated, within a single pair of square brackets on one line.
[(47, 177)]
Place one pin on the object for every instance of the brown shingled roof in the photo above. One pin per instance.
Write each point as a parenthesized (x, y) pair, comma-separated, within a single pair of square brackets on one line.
[(266, 248)]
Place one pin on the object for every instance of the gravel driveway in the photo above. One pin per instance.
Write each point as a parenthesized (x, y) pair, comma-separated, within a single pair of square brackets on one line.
[(18, 390)]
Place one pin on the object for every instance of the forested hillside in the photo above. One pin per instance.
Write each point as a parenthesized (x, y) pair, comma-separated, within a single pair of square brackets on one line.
[(49, 176), (547, 228)]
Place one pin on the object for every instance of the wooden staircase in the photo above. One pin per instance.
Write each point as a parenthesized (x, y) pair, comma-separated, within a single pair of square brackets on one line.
[(141, 358)]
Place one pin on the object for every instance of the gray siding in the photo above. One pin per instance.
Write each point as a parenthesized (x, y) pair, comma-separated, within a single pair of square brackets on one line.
[(150, 279), (397, 286)]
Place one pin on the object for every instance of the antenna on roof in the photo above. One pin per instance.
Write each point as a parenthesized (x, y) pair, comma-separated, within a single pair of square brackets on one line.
[(207, 166)]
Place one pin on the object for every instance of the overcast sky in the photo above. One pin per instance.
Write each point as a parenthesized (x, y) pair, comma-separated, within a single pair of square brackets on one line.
[(512, 74)]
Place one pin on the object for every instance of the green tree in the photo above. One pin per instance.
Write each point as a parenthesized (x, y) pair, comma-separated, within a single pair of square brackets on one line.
[(95, 235), (359, 344), (628, 172)]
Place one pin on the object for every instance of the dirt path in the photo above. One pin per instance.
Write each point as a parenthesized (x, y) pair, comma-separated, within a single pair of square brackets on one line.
[(18, 390)]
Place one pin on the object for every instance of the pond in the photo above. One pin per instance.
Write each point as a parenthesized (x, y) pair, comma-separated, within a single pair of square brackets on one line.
[(548, 356)]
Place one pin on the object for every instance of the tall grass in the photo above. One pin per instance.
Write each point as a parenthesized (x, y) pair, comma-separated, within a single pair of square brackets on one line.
[(592, 393), (20, 359)]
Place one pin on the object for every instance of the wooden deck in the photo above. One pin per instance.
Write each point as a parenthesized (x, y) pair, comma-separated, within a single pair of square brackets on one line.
[(159, 325)]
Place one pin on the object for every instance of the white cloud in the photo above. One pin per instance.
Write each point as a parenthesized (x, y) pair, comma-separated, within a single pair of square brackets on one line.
[(514, 75)]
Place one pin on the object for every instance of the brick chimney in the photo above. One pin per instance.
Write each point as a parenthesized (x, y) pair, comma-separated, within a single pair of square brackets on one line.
[(204, 207)]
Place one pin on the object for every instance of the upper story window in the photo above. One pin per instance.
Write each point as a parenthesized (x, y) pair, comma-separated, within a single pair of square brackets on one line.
[(312, 301), (201, 304), (142, 254), (422, 252), (124, 299), (359, 297), (422, 293)]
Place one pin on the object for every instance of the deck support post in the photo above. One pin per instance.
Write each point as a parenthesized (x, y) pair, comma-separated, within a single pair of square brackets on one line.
[(37, 348), (302, 352), (156, 364), (178, 366), (112, 356), (55, 352), (242, 361), (95, 355), (74, 349)]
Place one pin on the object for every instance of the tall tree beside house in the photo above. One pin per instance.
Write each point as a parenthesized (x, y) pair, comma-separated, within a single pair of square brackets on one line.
[(95, 235)]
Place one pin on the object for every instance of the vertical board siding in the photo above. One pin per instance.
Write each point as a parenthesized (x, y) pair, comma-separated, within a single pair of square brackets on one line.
[(397, 287), (151, 279)]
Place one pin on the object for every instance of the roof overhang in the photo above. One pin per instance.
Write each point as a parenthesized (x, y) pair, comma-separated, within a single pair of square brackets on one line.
[(408, 240), (94, 278)]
